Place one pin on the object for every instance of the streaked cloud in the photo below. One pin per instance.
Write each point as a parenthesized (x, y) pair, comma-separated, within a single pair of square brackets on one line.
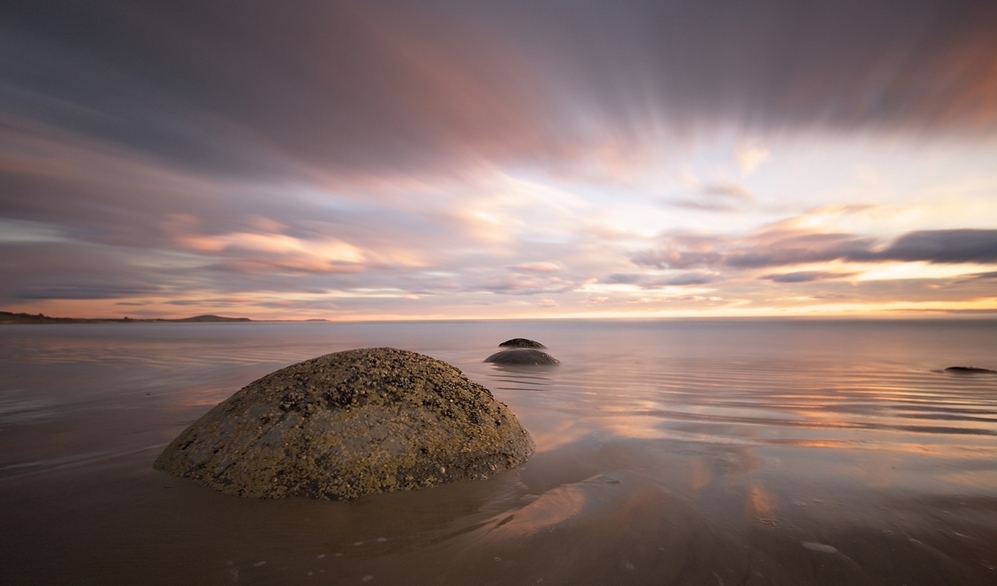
[(460, 159), (538, 267), (944, 246), (778, 248), (646, 281), (806, 276)]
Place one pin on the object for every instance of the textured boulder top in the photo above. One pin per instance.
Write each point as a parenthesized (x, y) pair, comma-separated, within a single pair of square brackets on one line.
[(347, 424), (523, 352), (522, 343)]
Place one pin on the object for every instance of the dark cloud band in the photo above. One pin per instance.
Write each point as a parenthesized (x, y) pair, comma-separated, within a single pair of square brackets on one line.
[(251, 87), (932, 246)]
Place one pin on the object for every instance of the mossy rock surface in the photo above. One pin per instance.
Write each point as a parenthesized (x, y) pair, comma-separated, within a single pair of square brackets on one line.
[(348, 424)]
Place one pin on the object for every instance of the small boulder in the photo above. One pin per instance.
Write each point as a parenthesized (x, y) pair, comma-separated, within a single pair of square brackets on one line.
[(969, 370), (523, 356), (521, 343), (347, 424)]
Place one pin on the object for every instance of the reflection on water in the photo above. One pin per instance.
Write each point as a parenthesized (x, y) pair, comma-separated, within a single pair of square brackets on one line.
[(710, 452), (514, 377)]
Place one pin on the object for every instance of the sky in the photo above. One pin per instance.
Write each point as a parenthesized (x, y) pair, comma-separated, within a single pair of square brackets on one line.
[(508, 159)]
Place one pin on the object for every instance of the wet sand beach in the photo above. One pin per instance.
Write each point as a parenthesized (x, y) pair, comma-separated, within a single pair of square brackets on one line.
[(671, 452)]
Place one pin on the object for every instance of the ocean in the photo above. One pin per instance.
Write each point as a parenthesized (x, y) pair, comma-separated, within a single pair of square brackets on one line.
[(714, 452)]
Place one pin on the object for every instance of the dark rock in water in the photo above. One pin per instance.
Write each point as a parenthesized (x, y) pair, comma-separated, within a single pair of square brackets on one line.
[(528, 356), (347, 424), (521, 343), (969, 370)]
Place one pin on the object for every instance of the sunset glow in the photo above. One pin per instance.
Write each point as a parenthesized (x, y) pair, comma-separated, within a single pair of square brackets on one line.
[(450, 160)]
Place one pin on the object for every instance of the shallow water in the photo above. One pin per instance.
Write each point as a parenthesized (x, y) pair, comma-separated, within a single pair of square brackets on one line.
[(668, 452)]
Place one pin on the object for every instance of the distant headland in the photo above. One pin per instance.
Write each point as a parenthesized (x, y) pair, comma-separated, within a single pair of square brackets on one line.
[(7, 317)]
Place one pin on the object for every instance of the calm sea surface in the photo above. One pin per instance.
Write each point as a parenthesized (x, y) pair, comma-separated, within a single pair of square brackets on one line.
[(668, 452)]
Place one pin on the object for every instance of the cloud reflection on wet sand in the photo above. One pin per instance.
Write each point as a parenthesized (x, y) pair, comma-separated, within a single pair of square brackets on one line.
[(668, 453)]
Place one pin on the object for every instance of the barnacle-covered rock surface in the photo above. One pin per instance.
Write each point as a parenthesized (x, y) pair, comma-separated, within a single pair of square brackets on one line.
[(348, 424)]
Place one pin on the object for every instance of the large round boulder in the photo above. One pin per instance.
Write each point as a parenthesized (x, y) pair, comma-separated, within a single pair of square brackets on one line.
[(347, 424)]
